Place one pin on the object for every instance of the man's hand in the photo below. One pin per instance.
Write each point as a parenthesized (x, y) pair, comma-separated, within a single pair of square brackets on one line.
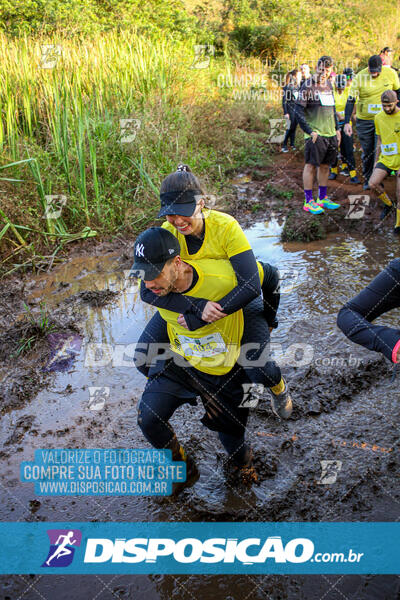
[(212, 312), (314, 136), (287, 116), (348, 129), (338, 135)]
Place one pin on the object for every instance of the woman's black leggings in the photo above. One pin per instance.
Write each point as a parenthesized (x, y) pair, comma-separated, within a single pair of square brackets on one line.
[(380, 296)]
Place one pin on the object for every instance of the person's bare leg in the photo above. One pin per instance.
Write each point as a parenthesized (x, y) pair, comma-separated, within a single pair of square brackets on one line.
[(378, 175), (323, 174), (308, 176)]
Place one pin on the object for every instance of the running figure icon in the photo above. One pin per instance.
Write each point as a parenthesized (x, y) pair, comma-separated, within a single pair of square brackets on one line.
[(62, 549)]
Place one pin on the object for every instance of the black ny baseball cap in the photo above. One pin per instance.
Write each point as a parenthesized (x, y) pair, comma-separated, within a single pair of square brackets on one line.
[(375, 64), (179, 203), (152, 249)]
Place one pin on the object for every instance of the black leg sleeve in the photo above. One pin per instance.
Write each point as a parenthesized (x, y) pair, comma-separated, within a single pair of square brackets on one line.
[(255, 353), (271, 295)]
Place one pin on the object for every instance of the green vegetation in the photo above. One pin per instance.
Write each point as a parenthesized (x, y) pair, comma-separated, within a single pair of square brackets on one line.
[(33, 328), (278, 192), (61, 135), (303, 228)]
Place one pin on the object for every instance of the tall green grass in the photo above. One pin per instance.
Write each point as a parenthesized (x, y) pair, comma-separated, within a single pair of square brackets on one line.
[(60, 131)]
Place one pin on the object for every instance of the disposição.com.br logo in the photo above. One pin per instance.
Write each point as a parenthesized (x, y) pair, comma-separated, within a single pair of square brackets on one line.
[(62, 547)]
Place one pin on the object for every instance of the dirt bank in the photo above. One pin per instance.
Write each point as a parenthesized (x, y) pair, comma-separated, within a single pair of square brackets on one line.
[(277, 191)]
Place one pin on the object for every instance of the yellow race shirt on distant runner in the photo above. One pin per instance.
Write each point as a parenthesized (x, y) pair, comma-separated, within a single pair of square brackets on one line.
[(340, 101), (388, 128), (368, 90), (223, 239), (214, 348)]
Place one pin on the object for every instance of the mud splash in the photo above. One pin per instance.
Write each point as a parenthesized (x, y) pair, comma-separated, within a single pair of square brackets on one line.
[(346, 411)]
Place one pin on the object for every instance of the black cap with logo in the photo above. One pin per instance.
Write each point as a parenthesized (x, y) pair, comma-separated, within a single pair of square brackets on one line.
[(179, 203), (153, 248), (375, 64)]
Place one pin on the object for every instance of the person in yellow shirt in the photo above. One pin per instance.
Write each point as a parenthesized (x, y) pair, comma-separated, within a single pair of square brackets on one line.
[(387, 158), (341, 91), (206, 233), (365, 91), (207, 362)]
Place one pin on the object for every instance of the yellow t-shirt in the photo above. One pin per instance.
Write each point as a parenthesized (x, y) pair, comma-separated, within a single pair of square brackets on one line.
[(223, 239), (388, 128), (340, 101), (214, 348), (368, 90)]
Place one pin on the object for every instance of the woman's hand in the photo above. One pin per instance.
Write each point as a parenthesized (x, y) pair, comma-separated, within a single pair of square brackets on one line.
[(212, 312), (181, 321), (348, 129)]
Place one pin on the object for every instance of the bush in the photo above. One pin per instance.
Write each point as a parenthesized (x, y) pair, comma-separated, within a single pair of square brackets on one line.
[(84, 17), (259, 40)]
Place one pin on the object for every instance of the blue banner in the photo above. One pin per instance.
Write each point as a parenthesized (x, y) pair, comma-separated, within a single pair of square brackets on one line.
[(202, 548)]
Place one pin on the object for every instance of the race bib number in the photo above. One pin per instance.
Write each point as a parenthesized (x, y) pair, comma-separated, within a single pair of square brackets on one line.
[(389, 149), (206, 346), (326, 99), (373, 109), (340, 115)]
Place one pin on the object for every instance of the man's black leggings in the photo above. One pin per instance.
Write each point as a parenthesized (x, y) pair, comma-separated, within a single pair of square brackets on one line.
[(367, 137), (380, 296), (346, 150), (155, 410)]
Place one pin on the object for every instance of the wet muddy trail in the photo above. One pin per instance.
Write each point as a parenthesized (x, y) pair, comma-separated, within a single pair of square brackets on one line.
[(346, 410)]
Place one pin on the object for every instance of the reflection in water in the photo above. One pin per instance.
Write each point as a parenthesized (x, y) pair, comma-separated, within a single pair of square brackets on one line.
[(328, 272)]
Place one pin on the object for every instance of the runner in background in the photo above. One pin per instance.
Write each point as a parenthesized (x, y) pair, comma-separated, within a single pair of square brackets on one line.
[(365, 91), (315, 111), (387, 159), (290, 94), (341, 92), (387, 55), (305, 73), (349, 73)]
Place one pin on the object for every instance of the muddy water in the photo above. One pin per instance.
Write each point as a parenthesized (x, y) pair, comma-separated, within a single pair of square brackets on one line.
[(346, 410)]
